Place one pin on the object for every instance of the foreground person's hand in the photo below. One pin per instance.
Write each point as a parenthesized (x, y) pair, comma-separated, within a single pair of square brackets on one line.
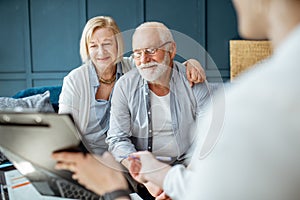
[(101, 174)]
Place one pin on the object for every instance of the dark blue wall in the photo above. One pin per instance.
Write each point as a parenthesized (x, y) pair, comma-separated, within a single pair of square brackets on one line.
[(39, 39)]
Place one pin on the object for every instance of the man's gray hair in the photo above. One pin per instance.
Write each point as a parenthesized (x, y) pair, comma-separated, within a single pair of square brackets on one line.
[(164, 33)]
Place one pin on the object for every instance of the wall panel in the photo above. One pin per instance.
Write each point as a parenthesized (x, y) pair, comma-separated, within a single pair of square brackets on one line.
[(39, 39), (186, 17), (56, 27), (49, 82), (127, 14), (10, 87), (221, 26), (14, 36)]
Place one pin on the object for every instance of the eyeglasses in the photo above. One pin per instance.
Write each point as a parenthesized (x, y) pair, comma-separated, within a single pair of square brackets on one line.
[(148, 51)]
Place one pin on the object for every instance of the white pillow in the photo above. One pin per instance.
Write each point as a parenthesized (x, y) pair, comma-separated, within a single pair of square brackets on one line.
[(38, 103)]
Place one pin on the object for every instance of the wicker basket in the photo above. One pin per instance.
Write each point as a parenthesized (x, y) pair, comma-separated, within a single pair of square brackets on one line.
[(245, 53)]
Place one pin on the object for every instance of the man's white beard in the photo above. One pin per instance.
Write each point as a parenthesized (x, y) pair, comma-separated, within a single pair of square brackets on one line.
[(151, 74)]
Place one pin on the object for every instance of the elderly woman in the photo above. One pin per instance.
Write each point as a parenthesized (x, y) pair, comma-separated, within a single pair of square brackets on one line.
[(87, 90)]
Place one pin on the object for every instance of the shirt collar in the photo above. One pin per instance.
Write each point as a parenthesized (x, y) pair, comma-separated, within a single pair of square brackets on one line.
[(93, 75)]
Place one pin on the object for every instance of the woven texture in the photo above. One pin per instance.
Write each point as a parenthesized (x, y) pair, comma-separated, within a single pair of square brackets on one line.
[(245, 53)]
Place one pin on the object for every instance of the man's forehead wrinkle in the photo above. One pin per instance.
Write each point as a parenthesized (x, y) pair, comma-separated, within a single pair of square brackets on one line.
[(146, 38)]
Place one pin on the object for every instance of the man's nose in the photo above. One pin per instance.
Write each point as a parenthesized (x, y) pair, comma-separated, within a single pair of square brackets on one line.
[(145, 58)]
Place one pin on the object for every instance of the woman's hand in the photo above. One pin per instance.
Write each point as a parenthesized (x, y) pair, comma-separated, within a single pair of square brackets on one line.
[(194, 71)]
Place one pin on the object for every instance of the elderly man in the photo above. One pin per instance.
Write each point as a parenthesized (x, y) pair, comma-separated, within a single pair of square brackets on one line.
[(153, 107)]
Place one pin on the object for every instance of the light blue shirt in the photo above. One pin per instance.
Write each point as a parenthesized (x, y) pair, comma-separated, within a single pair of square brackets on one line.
[(99, 114), (130, 123)]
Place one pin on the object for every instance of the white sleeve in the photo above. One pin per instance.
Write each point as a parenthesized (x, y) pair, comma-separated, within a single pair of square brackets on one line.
[(175, 181), (67, 97)]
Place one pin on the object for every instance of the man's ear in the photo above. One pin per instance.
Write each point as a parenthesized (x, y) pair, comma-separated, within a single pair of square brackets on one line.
[(173, 50)]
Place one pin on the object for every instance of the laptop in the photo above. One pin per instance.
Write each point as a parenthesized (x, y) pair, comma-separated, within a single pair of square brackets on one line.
[(28, 140)]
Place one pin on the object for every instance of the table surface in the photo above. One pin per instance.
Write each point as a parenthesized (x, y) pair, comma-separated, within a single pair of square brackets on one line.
[(26, 191)]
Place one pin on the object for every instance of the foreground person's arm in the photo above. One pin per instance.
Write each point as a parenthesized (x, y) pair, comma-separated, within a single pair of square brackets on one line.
[(173, 180), (144, 167)]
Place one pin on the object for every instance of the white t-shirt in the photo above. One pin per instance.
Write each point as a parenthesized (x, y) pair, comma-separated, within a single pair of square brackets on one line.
[(164, 143)]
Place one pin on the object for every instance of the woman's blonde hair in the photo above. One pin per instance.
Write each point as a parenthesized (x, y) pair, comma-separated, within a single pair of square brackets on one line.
[(91, 26)]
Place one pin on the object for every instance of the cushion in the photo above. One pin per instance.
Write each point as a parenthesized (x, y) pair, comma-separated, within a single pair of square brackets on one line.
[(54, 93), (38, 103)]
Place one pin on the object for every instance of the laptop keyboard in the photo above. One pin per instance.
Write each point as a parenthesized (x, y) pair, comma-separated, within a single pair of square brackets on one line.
[(69, 190), (2, 158)]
